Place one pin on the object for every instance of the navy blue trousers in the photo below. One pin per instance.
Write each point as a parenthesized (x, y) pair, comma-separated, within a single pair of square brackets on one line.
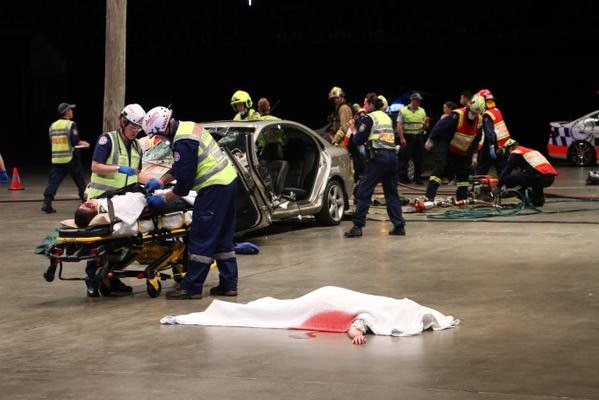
[(58, 173), (211, 237), (383, 168)]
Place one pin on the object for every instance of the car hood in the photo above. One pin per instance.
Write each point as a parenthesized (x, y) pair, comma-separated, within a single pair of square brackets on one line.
[(558, 124)]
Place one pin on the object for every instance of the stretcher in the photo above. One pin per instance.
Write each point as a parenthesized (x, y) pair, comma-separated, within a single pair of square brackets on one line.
[(155, 253)]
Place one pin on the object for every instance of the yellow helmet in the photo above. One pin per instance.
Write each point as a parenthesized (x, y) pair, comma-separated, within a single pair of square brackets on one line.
[(336, 92), (477, 104), (241, 97), (383, 99)]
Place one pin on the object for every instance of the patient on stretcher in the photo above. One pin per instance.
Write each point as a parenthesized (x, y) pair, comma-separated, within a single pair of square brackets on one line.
[(127, 210)]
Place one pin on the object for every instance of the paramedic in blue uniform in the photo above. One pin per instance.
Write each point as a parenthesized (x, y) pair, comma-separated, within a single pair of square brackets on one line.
[(376, 130), (200, 165)]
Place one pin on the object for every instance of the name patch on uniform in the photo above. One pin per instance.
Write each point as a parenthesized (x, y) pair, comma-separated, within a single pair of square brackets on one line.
[(176, 156), (103, 140)]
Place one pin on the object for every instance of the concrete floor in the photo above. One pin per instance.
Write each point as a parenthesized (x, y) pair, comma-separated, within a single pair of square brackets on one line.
[(526, 289)]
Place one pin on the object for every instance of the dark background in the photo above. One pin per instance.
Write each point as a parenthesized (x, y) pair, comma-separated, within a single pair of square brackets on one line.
[(540, 61)]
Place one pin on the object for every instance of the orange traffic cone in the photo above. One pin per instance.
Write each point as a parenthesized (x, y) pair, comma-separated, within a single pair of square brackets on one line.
[(15, 184)]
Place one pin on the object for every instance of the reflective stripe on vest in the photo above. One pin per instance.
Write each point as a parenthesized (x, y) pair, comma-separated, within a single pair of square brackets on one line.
[(501, 131), (101, 183), (381, 135), (465, 132), (62, 151), (214, 167), (536, 160), (413, 120)]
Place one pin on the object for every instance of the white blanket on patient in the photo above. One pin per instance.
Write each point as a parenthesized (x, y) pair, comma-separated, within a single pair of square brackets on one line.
[(328, 309), (129, 206)]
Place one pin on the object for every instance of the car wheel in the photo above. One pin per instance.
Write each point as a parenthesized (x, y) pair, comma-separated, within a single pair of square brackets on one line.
[(333, 204), (581, 153)]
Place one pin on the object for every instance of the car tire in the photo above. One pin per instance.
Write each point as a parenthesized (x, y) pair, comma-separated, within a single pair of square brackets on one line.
[(333, 205), (582, 153)]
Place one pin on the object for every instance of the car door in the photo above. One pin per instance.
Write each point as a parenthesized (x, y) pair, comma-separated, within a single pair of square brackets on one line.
[(253, 212)]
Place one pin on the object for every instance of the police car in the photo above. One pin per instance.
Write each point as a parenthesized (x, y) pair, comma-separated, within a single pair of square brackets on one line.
[(576, 140)]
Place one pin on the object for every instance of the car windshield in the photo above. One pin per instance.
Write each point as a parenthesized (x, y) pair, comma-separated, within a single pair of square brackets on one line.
[(159, 152), (234, 139)]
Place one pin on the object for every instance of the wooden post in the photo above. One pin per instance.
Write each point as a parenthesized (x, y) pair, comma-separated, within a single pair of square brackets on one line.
[(114, 62)]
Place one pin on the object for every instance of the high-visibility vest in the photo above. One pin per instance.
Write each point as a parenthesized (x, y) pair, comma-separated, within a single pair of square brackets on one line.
[(381, 135), (62, 150), (252, 115), (413, 120), (465, 132), (214, 167), (535, 159), (501, 131), (101, 183)]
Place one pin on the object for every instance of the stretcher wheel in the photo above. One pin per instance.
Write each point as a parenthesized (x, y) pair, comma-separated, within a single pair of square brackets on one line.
[(153, 291), (178, 272)]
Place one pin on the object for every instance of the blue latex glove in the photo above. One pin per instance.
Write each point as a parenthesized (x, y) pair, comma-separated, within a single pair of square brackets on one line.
[(152, 185), (492, 152), (155, 201), (123, 169), (3, 176)]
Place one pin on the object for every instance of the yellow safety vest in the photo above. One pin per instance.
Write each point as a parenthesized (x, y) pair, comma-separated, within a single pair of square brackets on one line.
[(252, 115), (413, 120), (100, 183), (214, 167), (62, 150), (381, 135)]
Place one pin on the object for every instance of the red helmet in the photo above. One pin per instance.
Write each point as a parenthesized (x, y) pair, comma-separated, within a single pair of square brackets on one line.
[(486, 94)]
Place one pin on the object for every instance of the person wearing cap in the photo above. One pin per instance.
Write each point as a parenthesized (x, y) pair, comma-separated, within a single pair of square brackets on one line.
[(64, 136), (200, 165), (411, 124), (534, 172), (116, 163)]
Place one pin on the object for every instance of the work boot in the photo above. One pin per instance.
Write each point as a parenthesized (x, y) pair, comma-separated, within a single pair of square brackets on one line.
[(355, 231), (182, 294), (92, 288), (398, 231), (47, 207), (219, 291), (117, 286)]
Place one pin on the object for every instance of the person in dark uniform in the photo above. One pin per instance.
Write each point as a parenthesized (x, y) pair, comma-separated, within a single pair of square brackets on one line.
[(200, 165), (454, 140), (534, 171), (376, 130), (64, 136)]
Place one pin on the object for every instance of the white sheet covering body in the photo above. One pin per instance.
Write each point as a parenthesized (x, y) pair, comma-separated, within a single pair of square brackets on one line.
[(328, 309)]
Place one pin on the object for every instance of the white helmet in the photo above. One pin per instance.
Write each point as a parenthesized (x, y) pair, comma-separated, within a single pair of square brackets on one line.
[(156, 120), (133, 113)]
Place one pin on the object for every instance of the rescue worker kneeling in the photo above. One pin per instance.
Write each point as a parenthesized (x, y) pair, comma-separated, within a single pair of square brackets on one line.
[(535, 172), (376, 129)]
